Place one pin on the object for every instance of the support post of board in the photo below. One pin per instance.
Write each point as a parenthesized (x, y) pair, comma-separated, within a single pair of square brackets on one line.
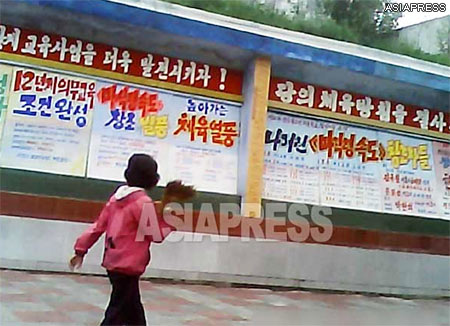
[(253, 128)]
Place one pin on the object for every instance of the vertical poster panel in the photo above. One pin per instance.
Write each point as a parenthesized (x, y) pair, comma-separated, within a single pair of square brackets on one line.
[(193, 139), (48, 122), (349, 173), (291, 173), (5, 81), (204, 143), (337, 165), (408, 176), (441, 155), (117, 132), (319, 162)]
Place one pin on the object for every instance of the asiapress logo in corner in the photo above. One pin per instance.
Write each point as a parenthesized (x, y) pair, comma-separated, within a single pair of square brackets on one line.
[(415, 7)]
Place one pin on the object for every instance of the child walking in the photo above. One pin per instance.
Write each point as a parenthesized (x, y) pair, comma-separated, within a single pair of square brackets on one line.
[(126, 259)]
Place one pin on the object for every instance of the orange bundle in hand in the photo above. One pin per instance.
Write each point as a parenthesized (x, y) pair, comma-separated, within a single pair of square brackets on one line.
[(176, 191)]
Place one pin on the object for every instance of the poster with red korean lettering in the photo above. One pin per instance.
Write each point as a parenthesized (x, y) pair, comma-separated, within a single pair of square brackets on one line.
[(48, 122), (117, 131), (193, 139), (349, 174), (441, 155), (337, 165), (319, 162)]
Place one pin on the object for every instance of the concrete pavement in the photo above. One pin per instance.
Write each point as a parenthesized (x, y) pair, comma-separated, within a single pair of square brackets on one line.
[(38, 299)]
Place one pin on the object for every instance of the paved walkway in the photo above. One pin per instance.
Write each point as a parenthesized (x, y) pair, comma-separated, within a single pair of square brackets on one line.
[(59, 299)]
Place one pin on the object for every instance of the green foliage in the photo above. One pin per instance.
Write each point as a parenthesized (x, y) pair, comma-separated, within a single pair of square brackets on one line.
[(356, 14), (366, 16), (351, 23), (397, 46)]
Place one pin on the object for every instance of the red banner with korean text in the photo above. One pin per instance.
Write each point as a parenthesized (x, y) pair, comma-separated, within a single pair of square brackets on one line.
[(343, 105), (61, 49)]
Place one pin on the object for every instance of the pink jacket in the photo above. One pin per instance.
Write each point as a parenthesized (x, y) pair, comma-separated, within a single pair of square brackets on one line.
[(120, 218)]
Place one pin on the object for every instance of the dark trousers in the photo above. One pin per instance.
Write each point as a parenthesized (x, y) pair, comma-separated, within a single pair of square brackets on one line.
[(125, 307)]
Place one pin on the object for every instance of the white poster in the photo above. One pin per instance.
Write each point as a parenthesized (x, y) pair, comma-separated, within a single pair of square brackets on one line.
[(337, 165), (316, 162), (290, 172), (192, 139), (349, 174), (48, 122), (441, 155)]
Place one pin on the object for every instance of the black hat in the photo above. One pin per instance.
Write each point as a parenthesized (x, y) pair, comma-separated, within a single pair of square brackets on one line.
[(142, 171)]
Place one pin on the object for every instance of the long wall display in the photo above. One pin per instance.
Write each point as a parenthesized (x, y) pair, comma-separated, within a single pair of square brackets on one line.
[(78, 126), (54, 122), (336, 165), (51, 116)]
